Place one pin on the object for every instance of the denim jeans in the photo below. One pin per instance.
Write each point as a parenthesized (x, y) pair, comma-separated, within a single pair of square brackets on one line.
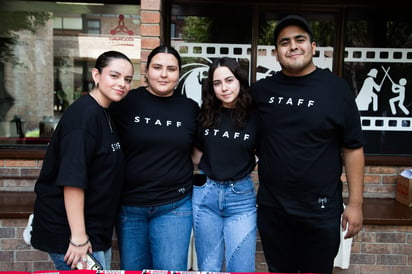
[(224, 223), (155, 237), (103, 257)]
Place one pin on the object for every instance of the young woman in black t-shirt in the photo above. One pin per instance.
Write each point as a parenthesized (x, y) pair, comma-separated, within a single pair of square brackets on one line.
[(157, 127), (224, 207), (79, 186)]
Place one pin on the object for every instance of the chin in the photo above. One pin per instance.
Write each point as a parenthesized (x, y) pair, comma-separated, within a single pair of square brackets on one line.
[(118, 98)]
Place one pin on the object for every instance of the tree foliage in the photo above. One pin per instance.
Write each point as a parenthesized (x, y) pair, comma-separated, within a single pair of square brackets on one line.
[(11, 23), (196, 29)]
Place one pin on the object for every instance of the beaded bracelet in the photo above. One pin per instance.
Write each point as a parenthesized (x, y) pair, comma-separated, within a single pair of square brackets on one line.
[(79, 245)]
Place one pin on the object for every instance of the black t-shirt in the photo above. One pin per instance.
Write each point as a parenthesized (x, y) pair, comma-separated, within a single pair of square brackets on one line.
[(157, 134), (84, 152), (228, 153), (304, 123)]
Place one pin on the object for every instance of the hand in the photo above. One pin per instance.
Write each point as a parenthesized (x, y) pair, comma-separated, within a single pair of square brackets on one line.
[(76, 253), (352, 219)]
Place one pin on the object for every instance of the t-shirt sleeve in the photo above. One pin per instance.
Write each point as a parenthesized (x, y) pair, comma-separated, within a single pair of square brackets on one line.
[(352, 136), (76, 153)]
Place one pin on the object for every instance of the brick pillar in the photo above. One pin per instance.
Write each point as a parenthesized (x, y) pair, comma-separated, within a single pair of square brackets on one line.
[(149, 29)]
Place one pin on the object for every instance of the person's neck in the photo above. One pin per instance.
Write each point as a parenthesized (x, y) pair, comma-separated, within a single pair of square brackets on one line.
[(166, 94), (299, 73), (96, 95)]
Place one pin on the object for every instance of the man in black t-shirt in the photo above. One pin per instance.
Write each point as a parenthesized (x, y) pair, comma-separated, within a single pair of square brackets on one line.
[(308, 120)]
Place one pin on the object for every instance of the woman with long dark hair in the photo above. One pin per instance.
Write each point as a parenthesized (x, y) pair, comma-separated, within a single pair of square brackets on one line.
[(224, 205)]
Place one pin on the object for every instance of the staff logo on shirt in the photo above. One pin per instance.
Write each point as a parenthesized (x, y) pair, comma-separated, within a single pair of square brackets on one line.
[(182, 190), (157, 122), (291, 101), (226, 134), (115, 146), (322, 201)]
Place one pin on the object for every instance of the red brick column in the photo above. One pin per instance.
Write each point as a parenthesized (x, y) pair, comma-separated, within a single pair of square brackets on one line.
[(150, 30)]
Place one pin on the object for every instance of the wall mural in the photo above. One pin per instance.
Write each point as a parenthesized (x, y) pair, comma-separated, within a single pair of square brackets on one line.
[(369, 95), (381, 79)]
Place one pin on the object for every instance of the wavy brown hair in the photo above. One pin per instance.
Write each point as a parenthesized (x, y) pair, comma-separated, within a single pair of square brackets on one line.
[(211, 108)]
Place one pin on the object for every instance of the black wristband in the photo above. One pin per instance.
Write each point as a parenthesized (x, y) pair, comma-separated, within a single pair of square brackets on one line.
[(79, 245)]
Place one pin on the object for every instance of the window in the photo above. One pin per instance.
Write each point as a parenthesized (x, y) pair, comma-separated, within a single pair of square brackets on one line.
[(367, 46), (201, 33), (378, 66), (47, 50), (67, 23), (93, 26)]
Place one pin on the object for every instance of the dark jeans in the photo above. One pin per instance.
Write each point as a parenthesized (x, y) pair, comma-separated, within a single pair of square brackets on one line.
[(296, 244)]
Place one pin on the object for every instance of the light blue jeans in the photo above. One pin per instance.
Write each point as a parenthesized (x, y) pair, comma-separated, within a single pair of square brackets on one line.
[(224, 223), (155, 237), (103, 257)]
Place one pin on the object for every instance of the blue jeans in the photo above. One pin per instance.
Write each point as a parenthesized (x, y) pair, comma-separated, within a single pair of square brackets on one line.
[(224, 223), (103, 257), (155, 237)]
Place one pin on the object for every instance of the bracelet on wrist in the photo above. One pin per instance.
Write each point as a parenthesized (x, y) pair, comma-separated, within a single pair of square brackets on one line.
[(79, 245)]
